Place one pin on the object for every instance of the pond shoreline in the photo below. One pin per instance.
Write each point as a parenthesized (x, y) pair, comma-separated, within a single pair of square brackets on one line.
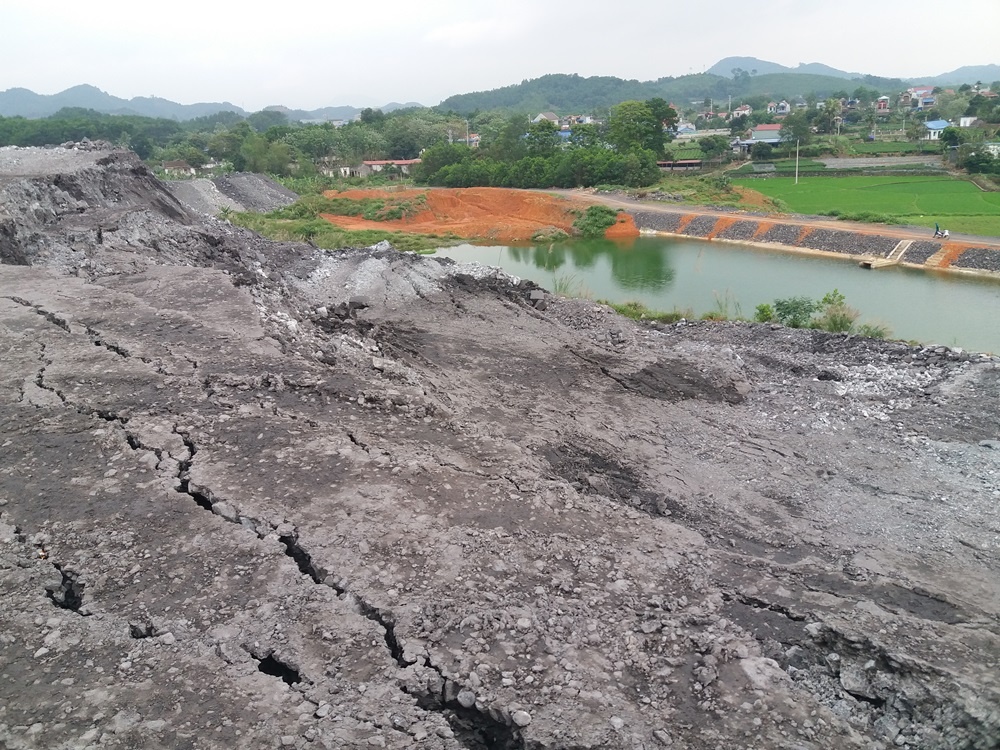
[(973, 258)]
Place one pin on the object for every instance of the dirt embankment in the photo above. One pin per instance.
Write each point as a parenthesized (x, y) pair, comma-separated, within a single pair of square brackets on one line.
[(494, 214)]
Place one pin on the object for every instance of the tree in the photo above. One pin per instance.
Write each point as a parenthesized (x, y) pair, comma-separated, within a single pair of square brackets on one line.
[(714, 146), (952, 136), (739, 125), (543, 138), (761, 152), (663, 112), (375, 117), (585, 136), (633, 126), (795, 129), (916, 132), (267, 118)]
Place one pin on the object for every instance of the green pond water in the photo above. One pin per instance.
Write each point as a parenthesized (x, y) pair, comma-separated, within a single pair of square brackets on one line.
[(668, 274)]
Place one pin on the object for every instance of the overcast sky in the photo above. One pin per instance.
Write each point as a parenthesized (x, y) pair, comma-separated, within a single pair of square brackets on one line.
[(370, 52)]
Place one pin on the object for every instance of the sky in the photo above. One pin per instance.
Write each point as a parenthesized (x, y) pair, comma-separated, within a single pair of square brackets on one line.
[(307, 55)]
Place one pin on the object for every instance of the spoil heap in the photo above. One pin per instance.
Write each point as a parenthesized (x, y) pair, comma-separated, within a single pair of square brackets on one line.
[(257, 495)]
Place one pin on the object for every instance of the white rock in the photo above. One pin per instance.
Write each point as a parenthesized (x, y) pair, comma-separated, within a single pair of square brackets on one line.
[(521, 718)]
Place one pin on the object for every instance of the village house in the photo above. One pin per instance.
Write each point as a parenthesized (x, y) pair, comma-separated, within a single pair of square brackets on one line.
[(935, 128), (882, 104), (766, 133), (550, 116), (917, 97), (368, 168), (782, 108), (178, 168), (744, 110)]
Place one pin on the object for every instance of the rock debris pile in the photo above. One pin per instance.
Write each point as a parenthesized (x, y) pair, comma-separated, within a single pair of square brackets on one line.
[(259, 495)]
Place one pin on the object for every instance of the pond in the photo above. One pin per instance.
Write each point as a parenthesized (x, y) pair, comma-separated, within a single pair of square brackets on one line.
[(667, 273)]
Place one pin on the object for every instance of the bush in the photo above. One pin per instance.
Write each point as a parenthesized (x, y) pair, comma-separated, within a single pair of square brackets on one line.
[(795, 312), (596, 221), (764, 313), (837, 319), (873, 331)]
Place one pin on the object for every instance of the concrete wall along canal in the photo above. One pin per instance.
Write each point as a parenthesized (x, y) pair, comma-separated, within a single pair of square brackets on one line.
[(869, 246)]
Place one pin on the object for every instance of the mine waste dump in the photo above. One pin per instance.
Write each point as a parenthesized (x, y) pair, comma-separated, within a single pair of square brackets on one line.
[(258, 495)]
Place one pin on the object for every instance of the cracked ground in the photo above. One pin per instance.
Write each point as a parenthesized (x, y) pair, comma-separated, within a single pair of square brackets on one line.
[(256, 495)]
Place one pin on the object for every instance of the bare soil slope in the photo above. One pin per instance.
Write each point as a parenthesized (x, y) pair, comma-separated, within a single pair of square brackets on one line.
[(256, 495), (493, 214)]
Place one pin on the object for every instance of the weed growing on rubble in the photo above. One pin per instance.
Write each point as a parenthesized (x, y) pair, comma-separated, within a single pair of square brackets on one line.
[(323, 234)]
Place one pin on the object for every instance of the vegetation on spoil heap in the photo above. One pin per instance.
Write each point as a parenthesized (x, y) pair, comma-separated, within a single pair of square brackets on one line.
[(831, 314), (303, 221)]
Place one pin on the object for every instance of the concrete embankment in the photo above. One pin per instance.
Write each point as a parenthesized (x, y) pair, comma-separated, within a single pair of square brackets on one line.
[(802, 237)]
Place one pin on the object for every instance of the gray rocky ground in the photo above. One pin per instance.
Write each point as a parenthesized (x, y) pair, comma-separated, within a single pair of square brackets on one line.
[(238, 192), (257, 495)]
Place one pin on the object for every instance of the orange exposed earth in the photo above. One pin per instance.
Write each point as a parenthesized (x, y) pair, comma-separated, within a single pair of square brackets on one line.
[(495, 214)]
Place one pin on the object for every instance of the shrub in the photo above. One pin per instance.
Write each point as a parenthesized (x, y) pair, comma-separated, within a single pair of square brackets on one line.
[(764, 313), (795, 312), (596, 221), (838, 319), (873, 331)]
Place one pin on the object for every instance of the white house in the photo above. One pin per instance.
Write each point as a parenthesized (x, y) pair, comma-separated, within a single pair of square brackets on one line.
[(935, 128)]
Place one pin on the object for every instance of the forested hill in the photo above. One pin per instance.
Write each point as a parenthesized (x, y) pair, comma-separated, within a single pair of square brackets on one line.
[(573, 93)]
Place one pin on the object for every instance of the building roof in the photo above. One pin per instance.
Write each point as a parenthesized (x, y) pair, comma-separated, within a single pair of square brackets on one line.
[(937, 124), (774, 126), (394, 162)]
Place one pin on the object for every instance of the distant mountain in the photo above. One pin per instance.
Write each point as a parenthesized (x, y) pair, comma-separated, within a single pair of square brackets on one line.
[(25, 103), (325, 114), (987, 74), (575, 94), (726, 66)]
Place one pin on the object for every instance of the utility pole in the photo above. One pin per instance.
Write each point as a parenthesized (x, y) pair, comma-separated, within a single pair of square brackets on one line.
[(796, 161)]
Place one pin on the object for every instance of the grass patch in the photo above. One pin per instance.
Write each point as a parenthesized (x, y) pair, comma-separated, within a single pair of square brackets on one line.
[(372, 209), (331, 237), (703, 189), (639, 311), (875, 148)]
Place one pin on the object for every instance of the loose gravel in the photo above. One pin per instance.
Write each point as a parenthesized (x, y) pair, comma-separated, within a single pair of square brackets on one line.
[(701, 226), (850, 243), (982, 258), (242, 191), (921, 251), (741, 230)]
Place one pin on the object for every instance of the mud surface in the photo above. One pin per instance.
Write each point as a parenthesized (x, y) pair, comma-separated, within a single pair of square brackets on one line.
[(255, 495)]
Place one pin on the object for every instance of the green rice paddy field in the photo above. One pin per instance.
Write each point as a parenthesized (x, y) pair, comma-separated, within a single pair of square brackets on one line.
[(955, 204)]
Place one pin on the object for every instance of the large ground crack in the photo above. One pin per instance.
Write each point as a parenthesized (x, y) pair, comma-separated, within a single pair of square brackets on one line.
[(475, 729), (52, 317)]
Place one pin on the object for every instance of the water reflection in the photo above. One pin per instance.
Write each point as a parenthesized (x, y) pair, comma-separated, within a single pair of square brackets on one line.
[(704, 277), (635, 264)]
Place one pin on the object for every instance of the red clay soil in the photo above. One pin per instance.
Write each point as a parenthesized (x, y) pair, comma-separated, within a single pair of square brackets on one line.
[(495, 214), (952, 250)]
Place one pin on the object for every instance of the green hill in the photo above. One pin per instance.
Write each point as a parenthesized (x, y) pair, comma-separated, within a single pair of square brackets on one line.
[(564, 93)]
